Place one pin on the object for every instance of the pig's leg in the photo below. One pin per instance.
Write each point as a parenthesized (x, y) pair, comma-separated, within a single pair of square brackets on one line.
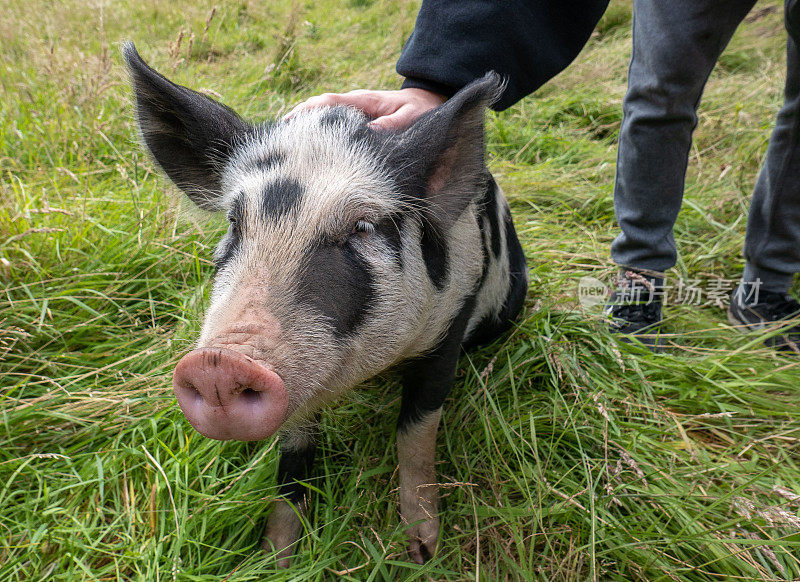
[(426, 383), (419, 496), (298, 448)]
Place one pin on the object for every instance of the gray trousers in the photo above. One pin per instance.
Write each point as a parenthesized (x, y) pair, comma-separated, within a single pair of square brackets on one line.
[(676, 44)]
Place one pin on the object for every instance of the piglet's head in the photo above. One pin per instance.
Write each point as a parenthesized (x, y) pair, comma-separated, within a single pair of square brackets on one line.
[(320, 281)]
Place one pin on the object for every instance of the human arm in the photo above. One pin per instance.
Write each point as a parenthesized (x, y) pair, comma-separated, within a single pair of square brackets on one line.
[(457, 41), (526, 42)]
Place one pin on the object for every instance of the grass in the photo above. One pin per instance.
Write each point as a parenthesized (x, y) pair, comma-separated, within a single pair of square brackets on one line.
[(563, 455)]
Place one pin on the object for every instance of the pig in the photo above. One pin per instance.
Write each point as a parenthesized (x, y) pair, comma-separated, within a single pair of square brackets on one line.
[(349, 251)]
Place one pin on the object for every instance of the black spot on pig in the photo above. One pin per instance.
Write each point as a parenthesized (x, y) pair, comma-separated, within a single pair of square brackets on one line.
[(335, 116), (488, 203), (435, 254), (484, 253), (268, 162), (280, 198), (337, 281)]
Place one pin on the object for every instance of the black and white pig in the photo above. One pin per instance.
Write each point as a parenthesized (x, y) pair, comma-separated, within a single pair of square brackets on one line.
[(349, 251)]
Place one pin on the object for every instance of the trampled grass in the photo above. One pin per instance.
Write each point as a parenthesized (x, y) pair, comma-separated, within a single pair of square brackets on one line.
[(563, 455)]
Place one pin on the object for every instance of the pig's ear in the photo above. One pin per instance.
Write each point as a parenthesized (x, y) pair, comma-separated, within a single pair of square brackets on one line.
[(189, 135), (441, 157)]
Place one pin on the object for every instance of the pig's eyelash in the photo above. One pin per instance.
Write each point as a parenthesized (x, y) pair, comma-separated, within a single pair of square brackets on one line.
[(363, 226)]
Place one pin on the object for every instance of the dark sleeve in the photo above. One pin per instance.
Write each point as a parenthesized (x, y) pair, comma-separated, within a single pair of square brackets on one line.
[(528, 43)]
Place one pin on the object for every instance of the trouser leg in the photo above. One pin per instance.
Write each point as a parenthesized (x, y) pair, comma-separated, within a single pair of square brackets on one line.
[(772, 243), (676, 44)]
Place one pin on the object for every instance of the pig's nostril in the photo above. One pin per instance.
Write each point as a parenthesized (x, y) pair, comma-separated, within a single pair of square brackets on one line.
[(250, 395), (191, 391)]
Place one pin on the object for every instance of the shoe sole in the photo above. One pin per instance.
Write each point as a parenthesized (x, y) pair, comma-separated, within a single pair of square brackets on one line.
[(651, 339), (736, 323), (741, 326)]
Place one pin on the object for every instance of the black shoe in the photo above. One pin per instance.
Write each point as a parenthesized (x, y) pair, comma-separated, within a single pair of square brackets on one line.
[(769, 309), (634, 308)]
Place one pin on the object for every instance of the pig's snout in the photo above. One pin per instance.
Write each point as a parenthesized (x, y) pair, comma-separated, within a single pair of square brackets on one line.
[(227, 396)]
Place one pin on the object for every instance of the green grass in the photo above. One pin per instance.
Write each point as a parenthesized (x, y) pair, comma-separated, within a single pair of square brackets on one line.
[(563, 455)]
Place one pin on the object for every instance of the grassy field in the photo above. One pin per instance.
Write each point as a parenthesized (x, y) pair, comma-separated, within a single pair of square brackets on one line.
[(563, 455)]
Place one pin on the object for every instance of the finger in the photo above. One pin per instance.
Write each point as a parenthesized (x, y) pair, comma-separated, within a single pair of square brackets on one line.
[(373, 103), (398, 120), (324, 100)]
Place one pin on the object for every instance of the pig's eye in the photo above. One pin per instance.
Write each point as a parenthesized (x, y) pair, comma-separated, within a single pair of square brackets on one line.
[(363, 227)]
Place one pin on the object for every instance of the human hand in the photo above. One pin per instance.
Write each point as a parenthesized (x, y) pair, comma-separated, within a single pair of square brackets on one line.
[(390, 110)]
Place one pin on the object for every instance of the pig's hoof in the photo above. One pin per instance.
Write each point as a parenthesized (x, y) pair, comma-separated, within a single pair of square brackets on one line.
[(282, 557), (421, 552), (423, 536)]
